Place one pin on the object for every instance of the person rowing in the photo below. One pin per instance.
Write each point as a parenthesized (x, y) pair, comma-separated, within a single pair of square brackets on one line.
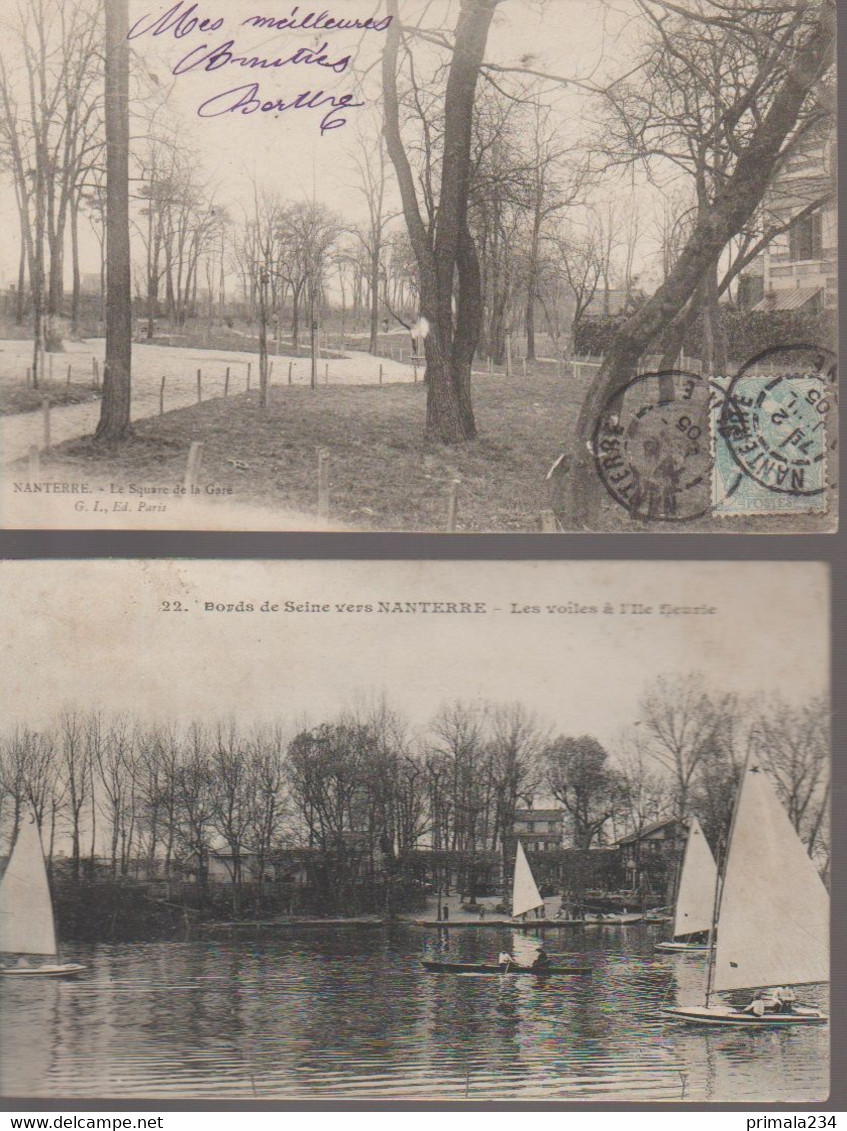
[(542, 961)]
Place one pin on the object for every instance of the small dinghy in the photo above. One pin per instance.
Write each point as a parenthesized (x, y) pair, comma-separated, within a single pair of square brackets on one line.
[(489, 968), (770, 927), (722, 1015), (27, 928), (695, 899)]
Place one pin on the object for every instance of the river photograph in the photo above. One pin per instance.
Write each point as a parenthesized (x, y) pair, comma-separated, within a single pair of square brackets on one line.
[(330, 1013), (425, 831)]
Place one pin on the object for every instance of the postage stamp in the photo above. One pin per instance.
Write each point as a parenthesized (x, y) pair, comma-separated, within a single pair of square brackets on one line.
[(675, 446), (772, 435)]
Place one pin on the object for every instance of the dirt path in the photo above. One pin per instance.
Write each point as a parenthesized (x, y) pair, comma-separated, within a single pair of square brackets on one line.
[(179, 368)]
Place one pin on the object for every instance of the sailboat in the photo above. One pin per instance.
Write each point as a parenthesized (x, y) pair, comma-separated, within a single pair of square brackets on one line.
[(771, 918), (525, 894), (525, 897), (27, 928), (695, 900)]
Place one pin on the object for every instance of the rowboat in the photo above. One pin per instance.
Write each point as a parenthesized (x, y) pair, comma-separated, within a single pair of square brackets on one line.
[(489, 968)]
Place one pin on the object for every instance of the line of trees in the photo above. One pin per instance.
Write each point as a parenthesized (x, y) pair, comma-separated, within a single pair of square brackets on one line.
[(364, 787)]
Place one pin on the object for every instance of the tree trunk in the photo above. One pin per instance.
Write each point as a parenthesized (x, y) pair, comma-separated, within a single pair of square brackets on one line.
[(19, 298), (373, 346), (529, 323), (449, 415), (295, 316), (75, 285), (115, 407)]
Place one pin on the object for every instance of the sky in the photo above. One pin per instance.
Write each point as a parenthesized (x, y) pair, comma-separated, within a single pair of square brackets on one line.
[(286, 152), (88, 634)]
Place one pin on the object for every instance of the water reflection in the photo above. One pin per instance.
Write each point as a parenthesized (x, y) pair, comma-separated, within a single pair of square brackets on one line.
[(336, 1012)]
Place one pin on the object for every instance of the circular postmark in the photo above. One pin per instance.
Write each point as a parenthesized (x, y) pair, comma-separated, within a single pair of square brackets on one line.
[(652, 446), (774, 419)]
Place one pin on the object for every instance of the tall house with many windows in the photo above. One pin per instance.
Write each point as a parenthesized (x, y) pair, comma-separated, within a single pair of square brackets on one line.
[(540, 830), (798, 268)]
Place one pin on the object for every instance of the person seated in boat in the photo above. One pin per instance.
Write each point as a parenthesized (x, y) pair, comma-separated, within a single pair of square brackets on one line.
[(780, 999), (784, 999), (505, 961), (542, 961)]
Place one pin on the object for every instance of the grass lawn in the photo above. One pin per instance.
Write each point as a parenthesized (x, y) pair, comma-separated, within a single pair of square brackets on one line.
[(382, 474), (21, 397)]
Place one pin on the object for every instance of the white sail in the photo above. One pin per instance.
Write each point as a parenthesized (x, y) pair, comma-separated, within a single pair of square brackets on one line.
[(26, 910), (773, 922), (525, 894), (695, 901)]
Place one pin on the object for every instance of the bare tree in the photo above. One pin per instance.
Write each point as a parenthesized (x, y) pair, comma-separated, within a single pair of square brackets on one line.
[(447, 259), (683, 727), (75, 771), (114, 423), (580, 776), (781, 53)]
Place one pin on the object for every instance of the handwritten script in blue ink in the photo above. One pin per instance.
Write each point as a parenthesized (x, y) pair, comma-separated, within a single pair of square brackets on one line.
[(179, 21), (246, 100), (205, 60)]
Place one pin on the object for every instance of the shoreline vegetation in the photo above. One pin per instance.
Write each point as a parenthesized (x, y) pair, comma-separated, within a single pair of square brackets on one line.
[(127, 911)]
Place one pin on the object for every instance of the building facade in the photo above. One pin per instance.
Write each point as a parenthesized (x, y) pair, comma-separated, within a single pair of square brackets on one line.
[(798, 270), (540, 830)]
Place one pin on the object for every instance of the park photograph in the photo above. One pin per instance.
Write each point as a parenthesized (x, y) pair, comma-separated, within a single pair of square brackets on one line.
[(418, 265)]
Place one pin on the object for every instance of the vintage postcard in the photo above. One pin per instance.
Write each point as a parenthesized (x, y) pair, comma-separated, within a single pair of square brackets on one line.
[(415, 830), (418, 265)]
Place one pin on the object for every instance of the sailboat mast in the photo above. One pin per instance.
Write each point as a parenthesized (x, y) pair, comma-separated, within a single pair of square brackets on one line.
[(714, 928), (710, 977)]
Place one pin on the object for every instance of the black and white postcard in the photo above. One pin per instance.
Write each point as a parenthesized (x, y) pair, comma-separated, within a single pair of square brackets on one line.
[(418, 265), (415, 831)]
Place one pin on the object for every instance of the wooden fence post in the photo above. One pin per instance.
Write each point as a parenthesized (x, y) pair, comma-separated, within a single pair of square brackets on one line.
[(380, 373), (326, 373), (45, 410), (290, 365), (162, 398), (323, 483), (50, 365), (192, 470), (226, 383), (249, 367), (69, 375), (199, 385)]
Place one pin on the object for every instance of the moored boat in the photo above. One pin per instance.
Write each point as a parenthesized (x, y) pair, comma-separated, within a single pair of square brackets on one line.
[(695, 898)]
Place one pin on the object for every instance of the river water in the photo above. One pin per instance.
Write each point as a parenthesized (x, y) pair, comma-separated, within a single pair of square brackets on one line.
[(330, 1013)]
